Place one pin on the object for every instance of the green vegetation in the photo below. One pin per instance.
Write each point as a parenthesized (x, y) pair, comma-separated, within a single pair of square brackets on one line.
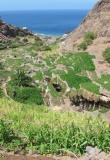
[(1, 93), (88, 40), (74, 80), (45, 48), (14, 45), (91, 87), (82, 46), (33, 54), (79, 61), (21, 79), (38, 41), (10, 44), (20, 88), (39, 76), (3, 46), (53, 92), (24, 122), (106, 54), (105, 81), (6, 133), (1, 66), (90, 35), (21, 34), (83, 62), (38, 128), (28, 95)]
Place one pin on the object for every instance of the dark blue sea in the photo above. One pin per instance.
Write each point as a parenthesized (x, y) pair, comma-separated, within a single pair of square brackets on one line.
[(47, 22)]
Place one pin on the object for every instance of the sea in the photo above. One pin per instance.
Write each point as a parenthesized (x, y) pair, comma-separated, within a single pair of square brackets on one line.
[(45, 22)]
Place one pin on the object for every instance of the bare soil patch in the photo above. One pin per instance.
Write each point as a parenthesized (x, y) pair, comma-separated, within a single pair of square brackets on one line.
[(26, 158)]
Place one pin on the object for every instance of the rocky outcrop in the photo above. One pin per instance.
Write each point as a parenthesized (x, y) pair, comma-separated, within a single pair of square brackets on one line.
[(9, 31), (87, 100), (98, 21)]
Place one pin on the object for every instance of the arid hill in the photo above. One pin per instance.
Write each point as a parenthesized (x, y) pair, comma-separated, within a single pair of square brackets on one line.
[(97, 21)]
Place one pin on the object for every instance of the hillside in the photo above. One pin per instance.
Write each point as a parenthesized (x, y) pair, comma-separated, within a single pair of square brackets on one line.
[(8, 31), (78, 79), (61, 80), (97, 21), (61, 77), (55, 92)]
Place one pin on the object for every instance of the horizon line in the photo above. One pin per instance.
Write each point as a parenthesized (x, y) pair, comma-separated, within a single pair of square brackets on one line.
[(45, 9)]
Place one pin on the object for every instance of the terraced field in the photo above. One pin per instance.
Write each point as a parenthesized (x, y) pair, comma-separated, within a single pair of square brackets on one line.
[(54, 73)]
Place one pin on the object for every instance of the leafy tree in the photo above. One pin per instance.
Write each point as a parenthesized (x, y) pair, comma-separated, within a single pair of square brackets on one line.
[(21, 79), (20, 89)]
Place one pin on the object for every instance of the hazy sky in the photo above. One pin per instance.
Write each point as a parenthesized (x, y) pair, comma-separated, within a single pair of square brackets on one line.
[(46, 4)]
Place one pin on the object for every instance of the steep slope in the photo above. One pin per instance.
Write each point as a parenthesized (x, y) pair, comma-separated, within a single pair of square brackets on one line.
[(98, 21)]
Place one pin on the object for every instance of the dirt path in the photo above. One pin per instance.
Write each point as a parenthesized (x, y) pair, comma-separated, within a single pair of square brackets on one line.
[(26, 158)]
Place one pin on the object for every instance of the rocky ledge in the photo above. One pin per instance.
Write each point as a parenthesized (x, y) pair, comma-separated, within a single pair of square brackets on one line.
[(9, 31)]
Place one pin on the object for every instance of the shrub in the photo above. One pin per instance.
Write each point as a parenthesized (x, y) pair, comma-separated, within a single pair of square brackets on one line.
[(20, 89), (22, 34), (38, 41), (106, 54), (3, 46), (90, 35), (82, 46), (21, 79), (29, 95), (6, 134), (88, 41)]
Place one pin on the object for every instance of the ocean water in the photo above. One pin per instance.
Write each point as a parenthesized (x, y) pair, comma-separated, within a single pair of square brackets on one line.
[(47, 22)]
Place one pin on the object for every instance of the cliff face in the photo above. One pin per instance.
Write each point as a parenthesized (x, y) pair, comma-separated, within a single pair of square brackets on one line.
[(97, 21), (8, 31)]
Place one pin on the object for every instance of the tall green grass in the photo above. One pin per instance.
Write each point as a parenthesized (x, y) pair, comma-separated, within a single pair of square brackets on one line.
[(46, 131)]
